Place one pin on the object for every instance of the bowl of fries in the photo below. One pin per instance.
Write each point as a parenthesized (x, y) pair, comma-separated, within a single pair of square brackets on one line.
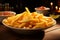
[(5, 14), (28, 23)]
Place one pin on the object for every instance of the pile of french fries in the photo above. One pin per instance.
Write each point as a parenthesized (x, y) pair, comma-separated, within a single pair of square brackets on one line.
[(28, 20)]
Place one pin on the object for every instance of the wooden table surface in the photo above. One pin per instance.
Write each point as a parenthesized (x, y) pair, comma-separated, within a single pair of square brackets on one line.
[(52, 33)]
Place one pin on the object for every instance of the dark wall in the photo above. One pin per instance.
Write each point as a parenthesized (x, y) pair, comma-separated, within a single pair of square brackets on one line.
[(31, 4)]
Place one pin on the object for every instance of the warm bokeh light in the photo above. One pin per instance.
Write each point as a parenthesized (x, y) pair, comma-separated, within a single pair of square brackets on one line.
[(51, 3), (59, 10), (56, 7)]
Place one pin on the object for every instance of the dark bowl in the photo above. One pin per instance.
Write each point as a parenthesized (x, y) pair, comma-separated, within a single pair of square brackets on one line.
[(24, 31), (27, 31)]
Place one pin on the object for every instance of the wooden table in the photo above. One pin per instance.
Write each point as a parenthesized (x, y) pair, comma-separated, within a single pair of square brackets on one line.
[(52, 33)]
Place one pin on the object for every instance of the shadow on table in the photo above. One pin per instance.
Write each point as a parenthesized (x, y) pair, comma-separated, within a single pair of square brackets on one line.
[(38, 36)]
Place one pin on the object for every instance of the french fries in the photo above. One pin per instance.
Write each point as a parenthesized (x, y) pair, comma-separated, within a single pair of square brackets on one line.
[(29, 20)]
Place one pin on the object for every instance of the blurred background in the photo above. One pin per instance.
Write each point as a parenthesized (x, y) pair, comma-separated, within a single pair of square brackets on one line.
[(18, 6)]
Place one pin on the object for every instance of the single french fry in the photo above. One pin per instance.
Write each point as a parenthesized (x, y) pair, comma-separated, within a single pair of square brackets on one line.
[(27, 9)]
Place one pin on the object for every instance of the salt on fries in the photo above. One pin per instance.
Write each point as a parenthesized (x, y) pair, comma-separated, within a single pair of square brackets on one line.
[(29, 20)]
